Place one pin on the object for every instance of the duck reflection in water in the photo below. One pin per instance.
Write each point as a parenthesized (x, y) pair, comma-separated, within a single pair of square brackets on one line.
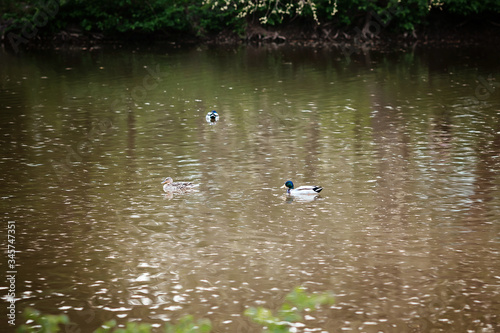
[(289, 199)]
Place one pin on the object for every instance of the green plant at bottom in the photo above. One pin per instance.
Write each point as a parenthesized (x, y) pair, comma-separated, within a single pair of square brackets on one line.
[(109, 327), (187, 324), (289, 315), (291, 312), (40, 323), (44, 323)]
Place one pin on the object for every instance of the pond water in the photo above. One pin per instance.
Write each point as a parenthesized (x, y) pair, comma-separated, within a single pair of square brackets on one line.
[(406, 144)]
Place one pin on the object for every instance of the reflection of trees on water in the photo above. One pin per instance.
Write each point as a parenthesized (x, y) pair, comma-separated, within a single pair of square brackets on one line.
[(391, 141), (486, 181), (447, 168)]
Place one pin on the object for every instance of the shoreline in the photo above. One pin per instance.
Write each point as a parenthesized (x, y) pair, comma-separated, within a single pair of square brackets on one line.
[(318, 37)]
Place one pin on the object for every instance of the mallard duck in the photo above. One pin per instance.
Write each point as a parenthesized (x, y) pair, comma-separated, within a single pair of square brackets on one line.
[(170, 186), (212, 116), (301, 190)]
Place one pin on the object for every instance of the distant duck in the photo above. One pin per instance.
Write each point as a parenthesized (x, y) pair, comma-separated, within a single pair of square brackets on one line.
[(301, 190), (170, 186), (212, 116)]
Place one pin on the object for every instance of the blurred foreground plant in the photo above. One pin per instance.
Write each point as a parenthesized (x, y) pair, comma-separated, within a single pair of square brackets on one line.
[(187, 324), (40, 323), (291, 313), (37, 322)]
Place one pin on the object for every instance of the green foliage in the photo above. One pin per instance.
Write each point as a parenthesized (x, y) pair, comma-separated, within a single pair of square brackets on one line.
[(265, 317), (291, 312), (205, 17), (41, 323), (468, 7), (109, 327), (405, 16), (16, 13), (128, 15), (401, 15), (296, 303), (187, 324)]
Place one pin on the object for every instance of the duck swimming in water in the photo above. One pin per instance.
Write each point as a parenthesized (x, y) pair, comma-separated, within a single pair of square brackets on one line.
[(170, 186), (301, 190), (212, 116)]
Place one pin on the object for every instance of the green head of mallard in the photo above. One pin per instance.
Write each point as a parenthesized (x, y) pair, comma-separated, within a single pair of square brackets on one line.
[(288, 185)]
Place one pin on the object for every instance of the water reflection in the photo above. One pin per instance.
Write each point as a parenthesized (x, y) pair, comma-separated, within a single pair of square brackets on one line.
[(405, 232)]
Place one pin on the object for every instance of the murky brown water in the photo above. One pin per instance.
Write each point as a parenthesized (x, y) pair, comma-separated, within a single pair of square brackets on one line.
[(406, 232)]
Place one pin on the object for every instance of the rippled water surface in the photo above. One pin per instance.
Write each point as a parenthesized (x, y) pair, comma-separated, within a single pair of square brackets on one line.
[(406, 144)]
